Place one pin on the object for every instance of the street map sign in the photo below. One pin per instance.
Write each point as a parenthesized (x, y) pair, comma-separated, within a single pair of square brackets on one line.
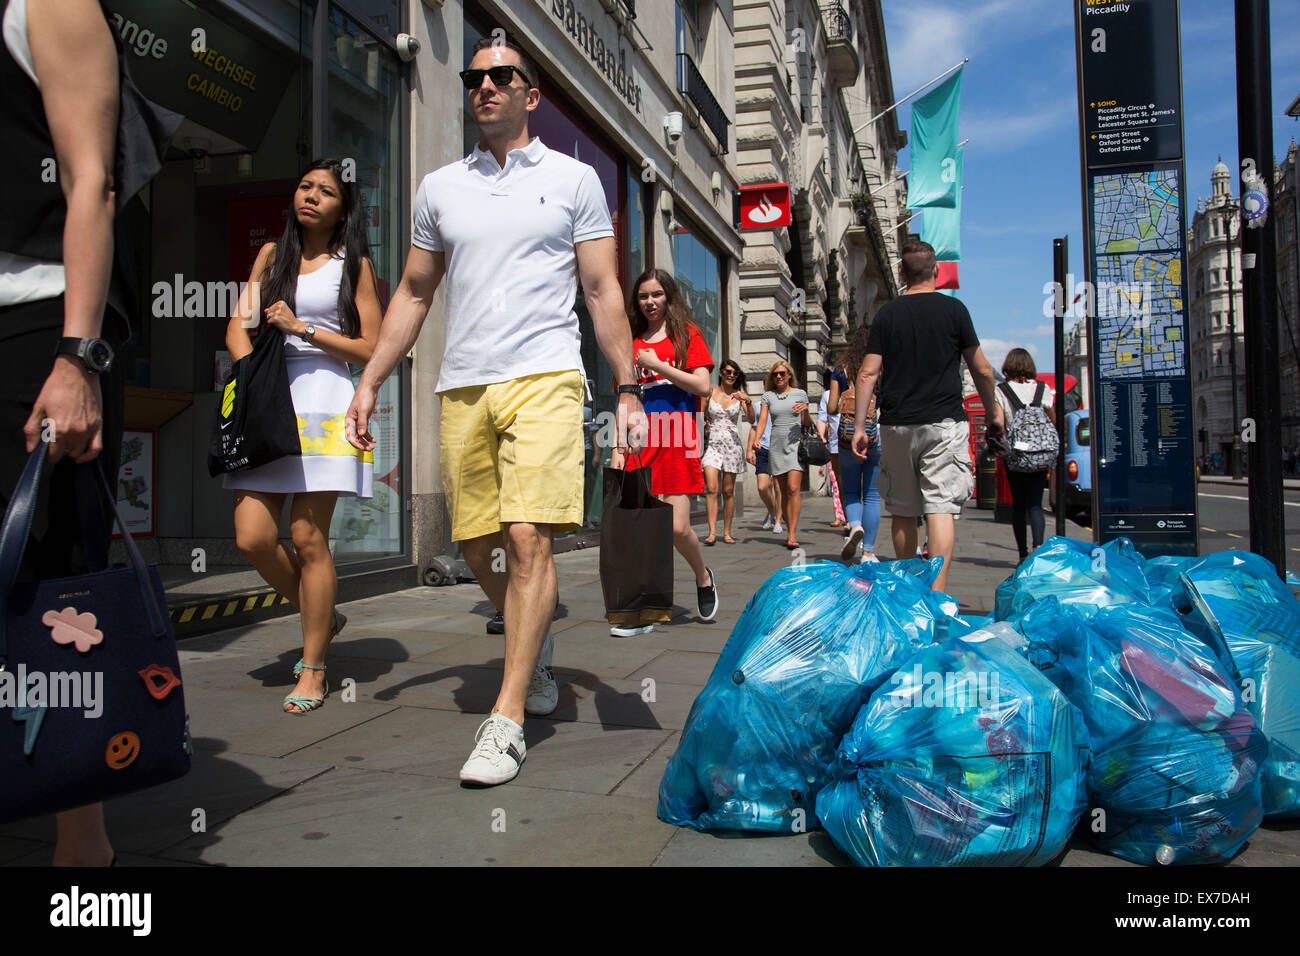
[(1134, 204)]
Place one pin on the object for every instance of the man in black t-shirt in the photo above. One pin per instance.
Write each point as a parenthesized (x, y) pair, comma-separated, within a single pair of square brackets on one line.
[(925, 467)]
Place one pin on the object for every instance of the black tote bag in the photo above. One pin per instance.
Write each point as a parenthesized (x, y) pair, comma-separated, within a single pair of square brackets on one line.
[(636, 550), (255, 421), (109, 717)]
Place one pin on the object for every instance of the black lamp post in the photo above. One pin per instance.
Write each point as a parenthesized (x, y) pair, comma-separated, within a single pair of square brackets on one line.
[(1230, 210)]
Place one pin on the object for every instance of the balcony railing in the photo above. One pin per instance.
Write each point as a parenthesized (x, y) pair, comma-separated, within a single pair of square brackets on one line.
[(841, 55), (690, 83), (839, 25)]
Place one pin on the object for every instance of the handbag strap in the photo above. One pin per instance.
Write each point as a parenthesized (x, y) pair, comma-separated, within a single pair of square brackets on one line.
[(156, 614), (642, 469), (18, 525), (13, 535)]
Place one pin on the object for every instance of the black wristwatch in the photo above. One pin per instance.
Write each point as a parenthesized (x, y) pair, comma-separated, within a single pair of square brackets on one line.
[(631, 390), (95, 354)]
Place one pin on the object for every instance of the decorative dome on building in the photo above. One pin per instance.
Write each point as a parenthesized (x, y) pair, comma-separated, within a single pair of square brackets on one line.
[(1219, 177)]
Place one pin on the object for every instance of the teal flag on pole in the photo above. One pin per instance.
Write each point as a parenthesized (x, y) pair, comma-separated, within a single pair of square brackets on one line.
[(941, 228), (934, 147)]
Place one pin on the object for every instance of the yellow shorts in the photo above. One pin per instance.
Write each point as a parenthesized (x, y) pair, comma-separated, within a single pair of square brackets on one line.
[(512, 451)]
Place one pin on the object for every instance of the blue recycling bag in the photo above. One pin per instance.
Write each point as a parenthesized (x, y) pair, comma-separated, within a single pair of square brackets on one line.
[(807, 651), (966, 756), (1240, 604), (1075, 572), (1175, 761)]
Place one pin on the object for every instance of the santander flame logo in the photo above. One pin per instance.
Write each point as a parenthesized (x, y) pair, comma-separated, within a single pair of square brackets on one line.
[(764, 212)]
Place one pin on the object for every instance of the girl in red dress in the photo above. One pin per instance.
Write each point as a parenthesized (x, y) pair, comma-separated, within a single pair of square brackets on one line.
[(673, 367)]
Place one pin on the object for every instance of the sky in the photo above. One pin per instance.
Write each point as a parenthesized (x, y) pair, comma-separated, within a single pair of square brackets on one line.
[(1019, 109)]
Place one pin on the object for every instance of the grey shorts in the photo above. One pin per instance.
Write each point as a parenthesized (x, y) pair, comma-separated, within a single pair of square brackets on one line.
[(925, 469)]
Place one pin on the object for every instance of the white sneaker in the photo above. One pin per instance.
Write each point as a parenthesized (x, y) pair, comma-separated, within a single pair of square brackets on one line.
[(630, 630), (543, 694), (767, 523), (498, 752), (777, 529), (869, 558), (851, 543)]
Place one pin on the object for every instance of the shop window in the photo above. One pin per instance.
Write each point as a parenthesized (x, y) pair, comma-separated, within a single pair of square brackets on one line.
[(690, 35), (696, 267), (363, 124)]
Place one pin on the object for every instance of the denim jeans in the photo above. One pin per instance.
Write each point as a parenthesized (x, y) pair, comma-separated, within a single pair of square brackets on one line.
[(859, 494)]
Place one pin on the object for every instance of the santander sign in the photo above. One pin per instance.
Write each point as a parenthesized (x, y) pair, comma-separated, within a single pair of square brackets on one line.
[(765, 206)]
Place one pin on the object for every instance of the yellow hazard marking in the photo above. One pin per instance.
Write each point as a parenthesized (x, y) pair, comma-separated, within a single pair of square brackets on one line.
[(208, 612), (230, 609), (187, 614), (1211, 530), (248, 605), (1231, 535), (270, 599)]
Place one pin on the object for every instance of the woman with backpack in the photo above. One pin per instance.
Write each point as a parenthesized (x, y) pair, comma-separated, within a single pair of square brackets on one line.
[(1031, 443)]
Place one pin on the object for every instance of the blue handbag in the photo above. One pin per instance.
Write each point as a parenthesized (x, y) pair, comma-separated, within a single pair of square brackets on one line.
[(91, 704)]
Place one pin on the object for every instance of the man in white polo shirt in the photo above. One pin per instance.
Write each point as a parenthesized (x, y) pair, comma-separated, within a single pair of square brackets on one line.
[(512, 227)]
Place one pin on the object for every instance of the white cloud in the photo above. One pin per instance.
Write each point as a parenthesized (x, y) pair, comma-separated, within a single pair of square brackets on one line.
[(995, 350), (923, 34)]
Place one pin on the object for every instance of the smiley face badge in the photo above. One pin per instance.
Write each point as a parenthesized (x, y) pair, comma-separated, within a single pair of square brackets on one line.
[(122, 750)]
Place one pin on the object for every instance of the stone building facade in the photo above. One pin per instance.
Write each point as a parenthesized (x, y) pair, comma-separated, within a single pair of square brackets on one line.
[(1215, 298), (810, 78)]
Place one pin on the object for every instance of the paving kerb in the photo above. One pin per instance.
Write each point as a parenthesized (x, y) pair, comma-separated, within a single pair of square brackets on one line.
[(374, 780)]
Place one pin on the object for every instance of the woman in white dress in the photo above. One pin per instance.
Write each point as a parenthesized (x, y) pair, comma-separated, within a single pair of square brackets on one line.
[(724, 458), (321, 288)]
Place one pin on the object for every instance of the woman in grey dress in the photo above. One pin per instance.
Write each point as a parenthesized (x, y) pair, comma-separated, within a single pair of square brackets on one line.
[(787, 404)]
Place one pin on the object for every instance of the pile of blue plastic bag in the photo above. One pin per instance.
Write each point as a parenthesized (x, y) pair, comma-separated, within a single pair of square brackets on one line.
[(1239, 604), (1174, 772), (808, 650), (1160, 696), (967, 756)]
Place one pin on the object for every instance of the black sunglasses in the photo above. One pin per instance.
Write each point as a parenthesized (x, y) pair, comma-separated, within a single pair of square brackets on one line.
[(728, 371), (501, 77)]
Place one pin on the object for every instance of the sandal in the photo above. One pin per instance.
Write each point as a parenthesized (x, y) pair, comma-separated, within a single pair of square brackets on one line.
[(306, 704), (728, 539), (711, 540), (340, 622)]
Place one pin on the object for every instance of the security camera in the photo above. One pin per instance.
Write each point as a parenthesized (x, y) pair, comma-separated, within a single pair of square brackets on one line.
[(407, 47), (673, 126)]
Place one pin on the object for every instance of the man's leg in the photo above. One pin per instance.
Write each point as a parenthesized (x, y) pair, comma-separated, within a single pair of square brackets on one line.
[(529, 604), (481, 554), (943, 540), (944, 473), (904, 532)]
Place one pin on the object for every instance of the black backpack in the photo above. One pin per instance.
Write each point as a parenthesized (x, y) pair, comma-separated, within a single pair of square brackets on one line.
[(1031, 442)]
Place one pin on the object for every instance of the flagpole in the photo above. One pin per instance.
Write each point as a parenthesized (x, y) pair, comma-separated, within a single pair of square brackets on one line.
[(910, 95)]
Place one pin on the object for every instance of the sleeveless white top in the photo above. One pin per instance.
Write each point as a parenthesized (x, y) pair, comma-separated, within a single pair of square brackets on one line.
[(316, 302), (22, 278)]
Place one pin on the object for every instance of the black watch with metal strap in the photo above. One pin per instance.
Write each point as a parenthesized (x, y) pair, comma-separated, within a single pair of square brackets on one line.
[(95, 354), (631, 390)]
